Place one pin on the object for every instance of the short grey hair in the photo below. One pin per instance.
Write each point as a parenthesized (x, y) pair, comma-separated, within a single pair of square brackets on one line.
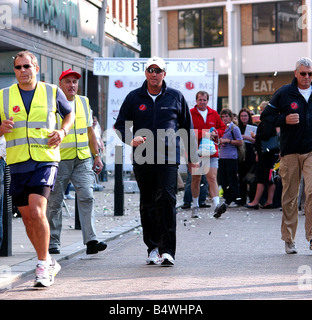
[(304, 61)]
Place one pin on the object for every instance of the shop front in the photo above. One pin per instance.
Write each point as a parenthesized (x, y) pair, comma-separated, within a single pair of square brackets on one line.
[(256, 88)]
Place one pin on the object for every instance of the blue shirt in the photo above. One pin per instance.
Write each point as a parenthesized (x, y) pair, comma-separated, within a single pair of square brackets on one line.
[(227, 150)]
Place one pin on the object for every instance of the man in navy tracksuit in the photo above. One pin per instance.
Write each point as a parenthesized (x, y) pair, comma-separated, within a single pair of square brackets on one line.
[(157, 113), (291, 109)]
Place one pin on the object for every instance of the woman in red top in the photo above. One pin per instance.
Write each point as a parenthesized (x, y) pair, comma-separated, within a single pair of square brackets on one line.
[(204, 118)]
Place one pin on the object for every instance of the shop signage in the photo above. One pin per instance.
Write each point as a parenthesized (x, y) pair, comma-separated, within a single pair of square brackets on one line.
[(59, 14), (263, 86)]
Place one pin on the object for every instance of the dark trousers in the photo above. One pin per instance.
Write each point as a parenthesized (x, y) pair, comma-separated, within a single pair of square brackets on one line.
[(158, 185), (228, 175), (203, 191)]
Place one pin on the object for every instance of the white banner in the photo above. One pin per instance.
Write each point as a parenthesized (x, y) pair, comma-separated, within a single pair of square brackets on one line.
[(125, 75)]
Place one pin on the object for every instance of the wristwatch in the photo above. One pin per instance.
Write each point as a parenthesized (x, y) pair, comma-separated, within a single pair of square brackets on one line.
[(96, 155)]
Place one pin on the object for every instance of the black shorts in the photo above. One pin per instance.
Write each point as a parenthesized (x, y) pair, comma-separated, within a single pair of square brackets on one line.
[(39, 182)]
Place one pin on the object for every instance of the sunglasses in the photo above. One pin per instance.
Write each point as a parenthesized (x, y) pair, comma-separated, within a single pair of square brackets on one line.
[(25, 66), (157, 70), (303, 74)]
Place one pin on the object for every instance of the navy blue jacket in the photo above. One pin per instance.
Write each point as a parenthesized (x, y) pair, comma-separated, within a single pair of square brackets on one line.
[(286, 100), (169, 112)]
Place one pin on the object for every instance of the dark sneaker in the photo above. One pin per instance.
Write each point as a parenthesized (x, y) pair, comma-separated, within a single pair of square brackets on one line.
[(95, 246), (219, 210)]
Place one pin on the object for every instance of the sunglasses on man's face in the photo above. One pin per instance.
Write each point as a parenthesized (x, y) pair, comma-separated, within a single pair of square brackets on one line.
[(25, 66), (157, 70), (303, 74)]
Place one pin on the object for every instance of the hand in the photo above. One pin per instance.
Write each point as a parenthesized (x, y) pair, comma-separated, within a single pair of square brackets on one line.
[(97, 165), (137, 141), (193, 167), (213, 135), (56, 138), (292, 118), (7, 126)]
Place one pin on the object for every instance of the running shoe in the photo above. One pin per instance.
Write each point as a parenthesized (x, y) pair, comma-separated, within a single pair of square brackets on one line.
[(290, 247), (153, 257), (219, 210), (42, 276), (195, 211), (54, 269), (167, 260)]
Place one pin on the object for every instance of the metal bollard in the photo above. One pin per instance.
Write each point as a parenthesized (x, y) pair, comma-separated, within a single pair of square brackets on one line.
[(77, 220), (6, 247), (119, 185)]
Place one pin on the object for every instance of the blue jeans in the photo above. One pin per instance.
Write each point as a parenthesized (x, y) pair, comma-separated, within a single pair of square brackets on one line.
[(2, 170), (187, 199)]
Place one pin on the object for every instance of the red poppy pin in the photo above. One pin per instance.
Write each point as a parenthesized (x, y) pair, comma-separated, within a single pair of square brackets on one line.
[(118, 84), (16, 109), (190, 85), (294, 106)]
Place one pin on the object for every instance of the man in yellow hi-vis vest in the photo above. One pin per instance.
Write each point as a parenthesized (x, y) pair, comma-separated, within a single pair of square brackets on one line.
[(76, 166), (28, 122)]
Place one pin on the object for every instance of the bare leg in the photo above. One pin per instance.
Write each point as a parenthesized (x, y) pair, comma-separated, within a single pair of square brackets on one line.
[(36, 224), (259, 191)]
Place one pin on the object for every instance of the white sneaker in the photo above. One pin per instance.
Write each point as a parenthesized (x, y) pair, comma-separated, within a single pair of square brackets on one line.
[(290, 247), (153, 257), (233, 205), (54, 269), (42, 276), (195, 211), (69, 197), (167, 260)]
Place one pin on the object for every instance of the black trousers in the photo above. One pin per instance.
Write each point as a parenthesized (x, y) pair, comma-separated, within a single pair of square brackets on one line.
[(158, 185), (228, 175)]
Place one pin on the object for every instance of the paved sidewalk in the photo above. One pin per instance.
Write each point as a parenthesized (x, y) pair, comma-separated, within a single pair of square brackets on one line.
[(108, 227)]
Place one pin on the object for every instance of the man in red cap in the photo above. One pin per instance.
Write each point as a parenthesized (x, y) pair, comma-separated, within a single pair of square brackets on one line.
[(76, 166)]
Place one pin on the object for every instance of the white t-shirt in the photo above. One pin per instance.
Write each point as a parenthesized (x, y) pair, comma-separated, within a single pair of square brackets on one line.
[(306, 93), (203, 114), (154, 96)]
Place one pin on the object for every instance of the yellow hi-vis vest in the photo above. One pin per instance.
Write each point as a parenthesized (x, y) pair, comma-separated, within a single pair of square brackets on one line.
[(76, 143), (29, 137)]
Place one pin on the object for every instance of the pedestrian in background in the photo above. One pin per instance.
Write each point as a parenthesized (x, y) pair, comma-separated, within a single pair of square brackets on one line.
[(28, 122), (76, 166), (290, 108), (247, 188), (265, 163), (228, 160), (152, 109), (207, 123)]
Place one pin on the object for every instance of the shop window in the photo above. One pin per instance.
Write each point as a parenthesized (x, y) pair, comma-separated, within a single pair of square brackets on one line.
[(201, 28), (253, 102), (57, 70), (276, 22), (46, 69)]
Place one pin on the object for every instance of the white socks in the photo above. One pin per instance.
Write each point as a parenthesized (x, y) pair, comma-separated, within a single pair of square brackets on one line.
[(215, 201), (44, 263), (195, 202)]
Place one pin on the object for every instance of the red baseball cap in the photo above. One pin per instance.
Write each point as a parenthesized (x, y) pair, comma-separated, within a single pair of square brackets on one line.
[(69, 72)]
